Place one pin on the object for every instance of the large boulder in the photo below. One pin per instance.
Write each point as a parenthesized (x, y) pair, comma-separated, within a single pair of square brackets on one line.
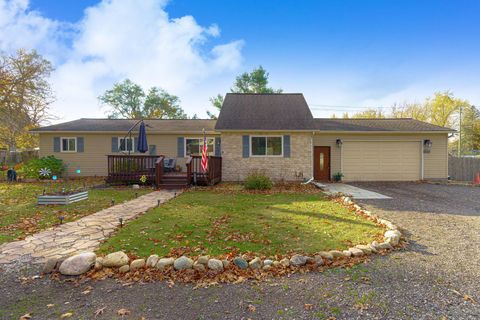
[(183, 263), (115, 260), (78, 264), (164, 262), (240, 262), (215, 264), (152, 260), (137, 264), (255, 263), (298, 260), (392, 237)]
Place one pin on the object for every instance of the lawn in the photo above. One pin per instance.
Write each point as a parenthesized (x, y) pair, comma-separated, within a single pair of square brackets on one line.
[(20, 216), (209, 222)]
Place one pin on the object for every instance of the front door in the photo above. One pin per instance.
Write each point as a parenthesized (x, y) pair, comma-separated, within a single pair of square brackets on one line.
[(321, 163)]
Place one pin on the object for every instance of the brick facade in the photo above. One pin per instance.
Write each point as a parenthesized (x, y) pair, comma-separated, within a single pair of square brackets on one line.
[(295, 168)]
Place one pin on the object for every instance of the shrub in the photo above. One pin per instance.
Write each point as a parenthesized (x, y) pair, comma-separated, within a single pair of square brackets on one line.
[(337, 176), (258, 181), (32, 168)]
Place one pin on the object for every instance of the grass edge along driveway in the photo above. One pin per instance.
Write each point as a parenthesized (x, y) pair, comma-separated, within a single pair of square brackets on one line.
[(215, 223)]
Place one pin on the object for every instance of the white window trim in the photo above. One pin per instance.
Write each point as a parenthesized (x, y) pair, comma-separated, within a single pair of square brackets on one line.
[(185, 155), (68, 151), (119, 144), (266, 156)]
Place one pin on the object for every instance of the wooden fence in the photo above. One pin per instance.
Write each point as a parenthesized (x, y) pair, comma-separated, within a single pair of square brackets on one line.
[(462, 168)]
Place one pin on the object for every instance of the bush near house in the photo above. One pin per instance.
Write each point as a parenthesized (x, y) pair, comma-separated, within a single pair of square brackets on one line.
[(32, 168), (258, 181)]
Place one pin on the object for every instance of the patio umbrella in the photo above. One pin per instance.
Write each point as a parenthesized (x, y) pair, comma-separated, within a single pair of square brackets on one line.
[(142, 146)]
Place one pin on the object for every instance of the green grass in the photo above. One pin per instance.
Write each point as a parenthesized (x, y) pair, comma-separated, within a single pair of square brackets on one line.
[(216, 223), (20, 215)]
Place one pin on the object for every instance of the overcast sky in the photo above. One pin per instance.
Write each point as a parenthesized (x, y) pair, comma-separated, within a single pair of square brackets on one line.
[(343, 55)]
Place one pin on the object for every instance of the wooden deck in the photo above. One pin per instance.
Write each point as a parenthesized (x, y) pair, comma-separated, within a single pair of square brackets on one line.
[(129, 169)]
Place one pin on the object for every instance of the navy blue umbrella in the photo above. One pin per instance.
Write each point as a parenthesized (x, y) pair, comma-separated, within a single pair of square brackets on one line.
[(142, 146)]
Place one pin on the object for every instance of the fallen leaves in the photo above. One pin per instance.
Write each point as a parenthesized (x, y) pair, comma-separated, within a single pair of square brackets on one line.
[(66, 315), (26, 316), (308, 306), (251, 308), (123, 312), (100, 311)]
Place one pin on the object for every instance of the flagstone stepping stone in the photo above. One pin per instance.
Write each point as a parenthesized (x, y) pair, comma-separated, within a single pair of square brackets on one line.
[(78, 264)]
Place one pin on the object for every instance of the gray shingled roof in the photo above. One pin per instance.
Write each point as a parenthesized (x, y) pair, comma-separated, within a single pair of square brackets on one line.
[(123, 125), (270, 111), (398, 124)]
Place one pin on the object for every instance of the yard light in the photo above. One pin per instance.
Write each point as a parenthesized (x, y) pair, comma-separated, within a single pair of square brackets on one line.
[(43, 191), (112, 202), (158, 203), (54, 178), (175, 195), (63, 190), (121, 221), (339, 143), (61, 218), (427, 145)]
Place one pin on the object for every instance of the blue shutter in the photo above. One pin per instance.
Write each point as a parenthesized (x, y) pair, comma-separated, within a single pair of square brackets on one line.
[(152, 150), (114, 144), (135, 144), (56, 144), (246, 146), (218, 146), (180, 147), (80, 144), (286, 146)]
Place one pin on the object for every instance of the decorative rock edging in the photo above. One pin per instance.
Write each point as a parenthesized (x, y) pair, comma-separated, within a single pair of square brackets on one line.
[(84, 262)]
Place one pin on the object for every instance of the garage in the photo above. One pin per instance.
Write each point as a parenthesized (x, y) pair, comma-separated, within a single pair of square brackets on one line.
[(381, 160)]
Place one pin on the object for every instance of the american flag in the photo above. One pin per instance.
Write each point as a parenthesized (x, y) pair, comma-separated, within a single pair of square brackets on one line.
[(204, 153)]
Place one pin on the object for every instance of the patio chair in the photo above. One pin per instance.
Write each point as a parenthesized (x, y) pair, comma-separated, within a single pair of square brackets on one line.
[(169, 165)]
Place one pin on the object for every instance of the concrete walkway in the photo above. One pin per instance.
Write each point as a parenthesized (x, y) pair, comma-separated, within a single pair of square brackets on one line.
[(355, 192), (82, 235)]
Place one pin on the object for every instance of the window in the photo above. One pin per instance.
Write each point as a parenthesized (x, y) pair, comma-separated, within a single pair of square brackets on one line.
[(69, 144), (129, 146), (193, 146), (266, 146)]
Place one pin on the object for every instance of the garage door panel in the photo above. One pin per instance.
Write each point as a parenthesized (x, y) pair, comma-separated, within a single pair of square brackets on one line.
[(381, 160)]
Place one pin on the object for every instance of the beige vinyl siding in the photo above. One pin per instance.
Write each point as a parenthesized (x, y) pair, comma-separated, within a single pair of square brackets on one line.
[(435, 162), (93, 161), (294, 168), (381, 160)]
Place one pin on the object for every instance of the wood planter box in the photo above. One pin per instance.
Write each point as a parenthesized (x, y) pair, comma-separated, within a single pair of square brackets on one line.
[(62, 199)]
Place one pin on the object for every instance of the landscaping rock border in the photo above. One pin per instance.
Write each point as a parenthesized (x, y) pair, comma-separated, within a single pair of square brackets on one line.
[(216, 265)]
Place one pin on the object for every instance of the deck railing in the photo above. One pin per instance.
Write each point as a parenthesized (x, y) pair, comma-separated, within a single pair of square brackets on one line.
[(130, 168), (195, 174)]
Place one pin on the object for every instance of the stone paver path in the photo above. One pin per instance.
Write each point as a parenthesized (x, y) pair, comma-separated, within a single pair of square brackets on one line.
[(82, 235)]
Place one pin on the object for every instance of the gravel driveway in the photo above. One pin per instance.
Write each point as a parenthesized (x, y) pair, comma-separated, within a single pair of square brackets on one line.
[(436, 277)]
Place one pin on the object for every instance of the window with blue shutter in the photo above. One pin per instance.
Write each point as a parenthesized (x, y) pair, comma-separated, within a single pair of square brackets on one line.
[(180, 147), (114, 144), (80, 144), (56, 144), (218, 146), (286, 146), (246, 146)]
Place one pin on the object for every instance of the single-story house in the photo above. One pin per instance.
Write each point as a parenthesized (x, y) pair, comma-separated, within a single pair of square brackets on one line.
[(272, 133)]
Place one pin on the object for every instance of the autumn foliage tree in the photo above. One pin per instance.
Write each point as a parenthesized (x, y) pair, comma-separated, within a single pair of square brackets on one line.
[(25, 97)]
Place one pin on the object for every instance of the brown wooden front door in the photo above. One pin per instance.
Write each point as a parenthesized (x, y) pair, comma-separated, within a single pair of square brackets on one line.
[(321, 163)]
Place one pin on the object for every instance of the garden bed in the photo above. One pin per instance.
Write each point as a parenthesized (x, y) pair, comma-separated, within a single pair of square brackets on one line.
[(62, 198)]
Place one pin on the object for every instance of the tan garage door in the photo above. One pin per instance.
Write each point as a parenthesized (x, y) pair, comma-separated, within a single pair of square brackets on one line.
[(381, 160)]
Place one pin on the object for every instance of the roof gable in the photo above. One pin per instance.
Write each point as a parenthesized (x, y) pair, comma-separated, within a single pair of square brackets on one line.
[(269, 111)]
